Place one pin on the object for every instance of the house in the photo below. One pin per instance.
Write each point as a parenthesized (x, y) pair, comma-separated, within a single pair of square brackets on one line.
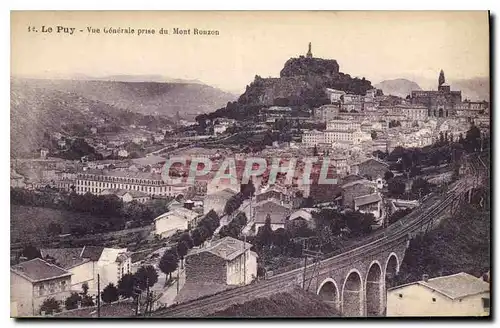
[(226, 261), (85, 263), (305, 214), (174, 204), (217, 201), (354, 189), (113, 264), (275, 192), (177, 219), (128, 195), (369, 204), (82, 268), (278, 213), (459, 294), (32, 282), (372, 168)]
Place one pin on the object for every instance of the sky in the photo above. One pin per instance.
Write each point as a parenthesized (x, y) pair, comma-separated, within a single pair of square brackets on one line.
[(377, 45)]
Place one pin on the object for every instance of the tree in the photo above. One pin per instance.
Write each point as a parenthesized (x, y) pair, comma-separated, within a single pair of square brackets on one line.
[(126, 285), (232, 204), (388, 175), (399, 214), (72, 301), (109, 294), (247, 190), (473, 139), (396, 187), (374, 135), (87, 301), (50, 306), (421, 187), (265, 233), (85, 288), (197, 238), (186, 238), (146, 277), (31, 252), (359, 223), (168, 263), (182, 250)]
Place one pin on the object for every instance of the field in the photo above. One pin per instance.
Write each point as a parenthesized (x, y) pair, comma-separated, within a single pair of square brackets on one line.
[(30, 225)]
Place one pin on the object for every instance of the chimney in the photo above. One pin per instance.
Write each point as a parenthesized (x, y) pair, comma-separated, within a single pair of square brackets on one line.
[(425, 277)]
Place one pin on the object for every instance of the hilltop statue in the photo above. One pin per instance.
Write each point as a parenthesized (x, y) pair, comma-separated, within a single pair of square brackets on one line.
[(441, 79), (309, 53)]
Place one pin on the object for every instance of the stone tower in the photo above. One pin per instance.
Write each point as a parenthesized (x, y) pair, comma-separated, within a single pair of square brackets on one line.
[(441, 78), (309, 53)]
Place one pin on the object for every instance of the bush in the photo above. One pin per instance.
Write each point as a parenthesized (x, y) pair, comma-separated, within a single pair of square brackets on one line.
[(50, 306), (72, 301), (109, 294)]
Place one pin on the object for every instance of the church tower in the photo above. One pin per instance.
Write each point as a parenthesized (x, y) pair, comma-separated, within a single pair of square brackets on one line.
[(309, 53), (441, 78)]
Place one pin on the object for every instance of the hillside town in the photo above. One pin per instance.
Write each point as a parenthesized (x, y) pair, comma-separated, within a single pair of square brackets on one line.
[(109, 224)]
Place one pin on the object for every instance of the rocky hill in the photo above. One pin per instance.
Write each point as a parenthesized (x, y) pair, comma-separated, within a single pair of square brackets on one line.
[(302, 83), (397, 87)]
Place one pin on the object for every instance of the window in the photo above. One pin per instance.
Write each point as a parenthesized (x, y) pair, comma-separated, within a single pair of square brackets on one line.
[(486, 303), (434, 299), (41, 289), (52, 287), (63, 285), (400, 295)]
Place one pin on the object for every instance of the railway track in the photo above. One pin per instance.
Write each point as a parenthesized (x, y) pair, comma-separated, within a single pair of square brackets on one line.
[(411, 224)]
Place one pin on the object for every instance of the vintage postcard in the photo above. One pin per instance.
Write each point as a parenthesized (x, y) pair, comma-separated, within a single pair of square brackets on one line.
[(241, 164)]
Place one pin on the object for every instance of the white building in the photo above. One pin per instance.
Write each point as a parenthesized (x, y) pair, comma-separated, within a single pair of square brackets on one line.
[(313, 137), (128, 195), (174, 220), (335, 95), (343, 125), (456, 295), (32, 282), (113, 264), (84, 263)]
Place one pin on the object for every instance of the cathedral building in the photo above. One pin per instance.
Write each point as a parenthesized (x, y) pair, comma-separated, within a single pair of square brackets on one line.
[(440, 103)]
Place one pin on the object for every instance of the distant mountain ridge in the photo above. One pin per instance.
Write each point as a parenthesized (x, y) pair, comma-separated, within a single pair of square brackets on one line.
[(475, 89), (397, 87), (164, 98)]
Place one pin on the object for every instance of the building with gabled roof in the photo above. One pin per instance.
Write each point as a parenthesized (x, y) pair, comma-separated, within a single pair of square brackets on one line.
[(278, 212), (227, 261), (32, 282), (455, 295), (177, 219)]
